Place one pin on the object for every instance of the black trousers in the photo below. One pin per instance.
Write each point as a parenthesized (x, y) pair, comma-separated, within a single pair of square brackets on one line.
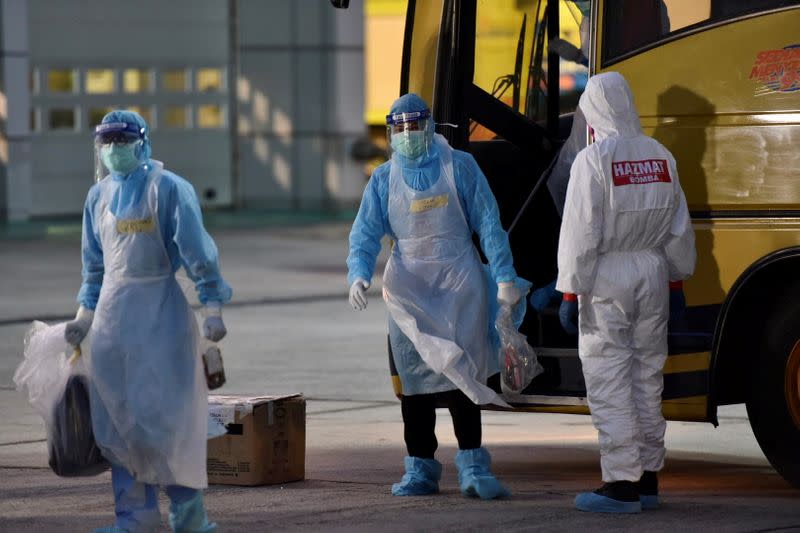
[(419, 419)]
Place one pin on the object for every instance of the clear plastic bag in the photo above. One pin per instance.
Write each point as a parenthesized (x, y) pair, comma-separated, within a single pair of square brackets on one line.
[(44, 371), (518, 363), (56, 385)]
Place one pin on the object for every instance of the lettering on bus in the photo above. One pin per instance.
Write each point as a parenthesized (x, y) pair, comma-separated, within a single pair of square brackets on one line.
[(640, 172), (779, 69)]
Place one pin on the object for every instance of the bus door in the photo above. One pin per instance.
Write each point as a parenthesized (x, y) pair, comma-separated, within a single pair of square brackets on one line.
[(496, 92)]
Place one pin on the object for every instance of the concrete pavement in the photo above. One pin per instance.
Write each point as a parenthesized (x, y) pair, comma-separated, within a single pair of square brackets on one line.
[(291, 330)]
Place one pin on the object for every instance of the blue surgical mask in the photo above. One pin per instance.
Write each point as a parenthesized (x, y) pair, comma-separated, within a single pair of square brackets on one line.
[(410, 144), (120, 158)]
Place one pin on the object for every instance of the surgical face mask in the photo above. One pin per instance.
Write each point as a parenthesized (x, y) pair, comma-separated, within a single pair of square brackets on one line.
[(410, 144), (120, 158)]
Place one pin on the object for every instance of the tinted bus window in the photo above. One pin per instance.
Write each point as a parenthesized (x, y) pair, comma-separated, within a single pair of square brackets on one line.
[(511, 56), (633, 24)]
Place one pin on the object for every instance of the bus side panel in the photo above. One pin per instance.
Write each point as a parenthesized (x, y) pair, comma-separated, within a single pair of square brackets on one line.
[(704, 96)]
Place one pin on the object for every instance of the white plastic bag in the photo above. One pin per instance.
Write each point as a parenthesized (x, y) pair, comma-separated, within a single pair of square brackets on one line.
[(54, 377), (518, 363)]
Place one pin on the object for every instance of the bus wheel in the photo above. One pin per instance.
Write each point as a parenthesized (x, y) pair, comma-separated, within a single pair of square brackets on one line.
[(773, 403)]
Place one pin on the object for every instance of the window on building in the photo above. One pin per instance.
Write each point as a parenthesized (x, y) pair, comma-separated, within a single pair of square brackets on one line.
[(210, 116), (33, 85), (95, 116), (61, 119), (176, 117), (61, 81), (145, 112), (209, 79), (136, 80), (174, 80), (34, 121), (99, 81)]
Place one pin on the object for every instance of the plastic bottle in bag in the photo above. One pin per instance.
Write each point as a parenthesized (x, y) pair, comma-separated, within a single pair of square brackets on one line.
[(518, 361)]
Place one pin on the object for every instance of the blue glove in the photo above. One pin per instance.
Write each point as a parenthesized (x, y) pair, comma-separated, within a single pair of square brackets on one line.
[(568, 313), (543, 297), (677, 301)]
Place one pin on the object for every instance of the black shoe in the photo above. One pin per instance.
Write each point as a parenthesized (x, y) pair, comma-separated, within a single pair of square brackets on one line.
[(614, 497), (622, 491), (648, 490)]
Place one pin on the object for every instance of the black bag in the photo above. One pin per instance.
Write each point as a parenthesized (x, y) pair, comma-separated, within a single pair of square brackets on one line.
[(73, 450)]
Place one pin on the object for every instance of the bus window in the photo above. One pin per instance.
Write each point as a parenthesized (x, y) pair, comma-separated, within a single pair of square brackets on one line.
[(422, 53), (503, 35), (630, 25), (499, 27), (573, 73), (511, 51)]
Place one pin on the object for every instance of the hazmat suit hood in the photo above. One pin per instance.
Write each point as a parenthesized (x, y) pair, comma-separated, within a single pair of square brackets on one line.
[(607, 104)]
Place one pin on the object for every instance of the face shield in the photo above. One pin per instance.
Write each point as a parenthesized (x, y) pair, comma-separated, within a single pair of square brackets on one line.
[(410, 134), (117, 148)]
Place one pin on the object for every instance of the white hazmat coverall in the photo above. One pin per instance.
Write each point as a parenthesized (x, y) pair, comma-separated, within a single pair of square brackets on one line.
[(625, 234)]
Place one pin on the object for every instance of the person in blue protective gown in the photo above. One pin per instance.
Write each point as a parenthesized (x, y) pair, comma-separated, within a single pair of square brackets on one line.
[(429, 198), (148, 394)]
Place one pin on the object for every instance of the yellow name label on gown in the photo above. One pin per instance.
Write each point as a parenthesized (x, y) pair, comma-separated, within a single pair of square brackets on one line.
[(143, 225), (426, 204)]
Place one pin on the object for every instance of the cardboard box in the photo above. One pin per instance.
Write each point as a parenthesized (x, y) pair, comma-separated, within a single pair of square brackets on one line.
[(265, 443)]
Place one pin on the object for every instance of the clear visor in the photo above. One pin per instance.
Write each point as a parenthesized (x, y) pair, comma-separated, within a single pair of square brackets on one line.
[(411, 139)]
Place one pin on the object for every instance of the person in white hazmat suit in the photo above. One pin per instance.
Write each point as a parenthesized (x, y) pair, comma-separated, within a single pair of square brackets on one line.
[(430, 198), (626, 240)]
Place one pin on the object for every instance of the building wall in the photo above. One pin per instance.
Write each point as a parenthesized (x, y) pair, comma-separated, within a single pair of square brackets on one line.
[(288, 107), (15, 142), (97, 42), (300, 97)]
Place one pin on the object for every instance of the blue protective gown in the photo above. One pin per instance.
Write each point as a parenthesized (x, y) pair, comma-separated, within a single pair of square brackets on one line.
[(147, 390), (477, 200), (181, 225), (372, 223)]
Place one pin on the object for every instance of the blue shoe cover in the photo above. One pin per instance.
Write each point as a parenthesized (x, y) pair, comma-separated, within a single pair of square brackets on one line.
[(190, 516), (649, 501), (474, 476), (110, 529), (421, 477), (597, 503)]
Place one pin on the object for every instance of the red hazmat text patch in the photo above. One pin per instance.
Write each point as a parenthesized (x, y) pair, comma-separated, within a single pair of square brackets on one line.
[(640, 172)]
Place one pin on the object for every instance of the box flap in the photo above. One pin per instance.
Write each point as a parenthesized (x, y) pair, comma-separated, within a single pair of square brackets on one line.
[(223, 406)]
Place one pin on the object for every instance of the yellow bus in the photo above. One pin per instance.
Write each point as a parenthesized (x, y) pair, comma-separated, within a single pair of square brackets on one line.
[(718, 83)]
